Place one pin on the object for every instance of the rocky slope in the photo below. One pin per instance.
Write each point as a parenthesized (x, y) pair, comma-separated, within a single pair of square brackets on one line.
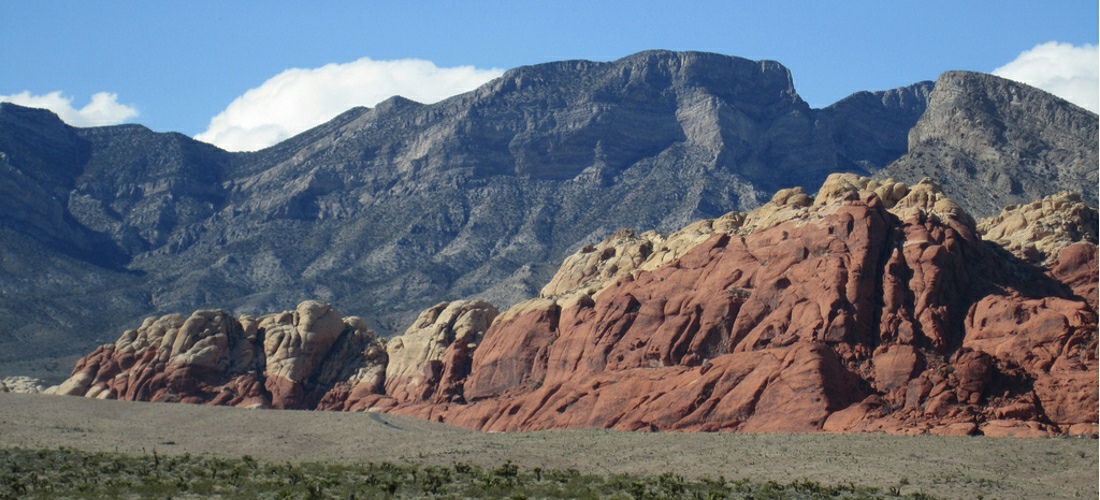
[(386, 211), (873, 306), (992, 142)]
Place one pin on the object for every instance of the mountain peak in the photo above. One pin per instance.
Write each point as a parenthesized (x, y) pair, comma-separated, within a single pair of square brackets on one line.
[(727, 77), (10, 110), (993, 142), (43, 122)]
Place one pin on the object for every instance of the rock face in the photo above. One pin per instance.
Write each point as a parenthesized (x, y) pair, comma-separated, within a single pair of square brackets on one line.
[(992, 142), (430, 361), (392, 209), (873, 306), (287, 360)]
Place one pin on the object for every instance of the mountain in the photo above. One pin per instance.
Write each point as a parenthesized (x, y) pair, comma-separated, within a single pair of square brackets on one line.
[(386, 211), (993, 142), (874, 306), (79, 205)]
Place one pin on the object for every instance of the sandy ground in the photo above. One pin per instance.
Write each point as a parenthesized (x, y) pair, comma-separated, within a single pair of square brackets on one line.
[(946, 467)]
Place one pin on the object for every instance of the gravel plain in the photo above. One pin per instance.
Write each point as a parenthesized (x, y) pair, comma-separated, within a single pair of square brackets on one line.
[(949, 467)]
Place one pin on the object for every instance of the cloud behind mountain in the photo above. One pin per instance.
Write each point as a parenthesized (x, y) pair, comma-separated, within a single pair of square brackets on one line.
[(1065, 70), (102, 109), (298, 99)]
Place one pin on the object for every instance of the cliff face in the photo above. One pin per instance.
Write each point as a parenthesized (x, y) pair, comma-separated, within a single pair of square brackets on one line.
[(874, 306)]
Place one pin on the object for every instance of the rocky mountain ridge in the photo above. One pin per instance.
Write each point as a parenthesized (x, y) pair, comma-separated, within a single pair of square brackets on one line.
[(386, 211), (873, 306), (979, 130)]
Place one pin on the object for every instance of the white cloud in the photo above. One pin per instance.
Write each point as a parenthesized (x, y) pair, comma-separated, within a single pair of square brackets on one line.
[(103, 109), (297, 99), (1067, 71)]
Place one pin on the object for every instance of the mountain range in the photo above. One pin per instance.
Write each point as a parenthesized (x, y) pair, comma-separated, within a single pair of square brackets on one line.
[(872, 306), (386, 211)]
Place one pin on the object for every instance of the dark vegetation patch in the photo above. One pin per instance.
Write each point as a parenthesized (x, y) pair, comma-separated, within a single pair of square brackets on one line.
[(70, 473)]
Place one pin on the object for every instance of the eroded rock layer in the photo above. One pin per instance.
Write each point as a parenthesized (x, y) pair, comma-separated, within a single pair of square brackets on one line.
[(873, 306)]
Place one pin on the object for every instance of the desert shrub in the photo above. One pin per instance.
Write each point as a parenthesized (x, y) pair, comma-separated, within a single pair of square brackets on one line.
[(69, 473)]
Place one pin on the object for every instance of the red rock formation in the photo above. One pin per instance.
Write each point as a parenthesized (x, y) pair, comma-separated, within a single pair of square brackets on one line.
[(845, 318), (429, 362), (285, 360), (874, 307)]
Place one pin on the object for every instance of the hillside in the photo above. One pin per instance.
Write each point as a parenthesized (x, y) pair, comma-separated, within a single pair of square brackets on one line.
[(993, 142), (386, 211)]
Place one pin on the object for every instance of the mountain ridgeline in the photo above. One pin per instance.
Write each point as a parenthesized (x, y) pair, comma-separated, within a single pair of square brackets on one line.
[(386, 211)]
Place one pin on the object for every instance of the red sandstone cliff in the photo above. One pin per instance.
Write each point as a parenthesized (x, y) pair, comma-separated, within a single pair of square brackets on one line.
[(873, 307)]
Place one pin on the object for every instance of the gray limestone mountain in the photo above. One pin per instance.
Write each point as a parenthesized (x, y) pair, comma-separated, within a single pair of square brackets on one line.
[(992, 142), (389, 210)]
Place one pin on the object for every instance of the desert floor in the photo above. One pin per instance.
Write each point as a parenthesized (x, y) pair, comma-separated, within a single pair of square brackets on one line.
[(941, 466)]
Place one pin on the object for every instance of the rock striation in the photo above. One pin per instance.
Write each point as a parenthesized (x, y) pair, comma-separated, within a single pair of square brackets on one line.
[(873, 306)]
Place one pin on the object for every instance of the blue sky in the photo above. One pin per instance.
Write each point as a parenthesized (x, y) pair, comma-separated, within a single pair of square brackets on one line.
[(175, 66)]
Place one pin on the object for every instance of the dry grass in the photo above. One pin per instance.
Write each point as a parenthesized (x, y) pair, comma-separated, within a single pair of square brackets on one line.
[(941, 466)]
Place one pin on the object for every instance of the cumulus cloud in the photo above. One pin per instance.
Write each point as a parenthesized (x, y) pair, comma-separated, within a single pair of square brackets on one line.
[(103, 109), (1067, 71), (297, 99)]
